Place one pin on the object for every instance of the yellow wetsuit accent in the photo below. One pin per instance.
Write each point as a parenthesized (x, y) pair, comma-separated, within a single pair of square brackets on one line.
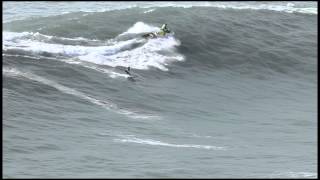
[(161, 33)]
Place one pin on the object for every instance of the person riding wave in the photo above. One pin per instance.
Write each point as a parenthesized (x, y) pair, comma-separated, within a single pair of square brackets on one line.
[(131, 78), (163, 30), (128, 71)]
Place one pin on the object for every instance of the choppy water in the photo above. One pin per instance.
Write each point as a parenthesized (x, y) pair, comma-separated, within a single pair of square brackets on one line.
[(231, 94)]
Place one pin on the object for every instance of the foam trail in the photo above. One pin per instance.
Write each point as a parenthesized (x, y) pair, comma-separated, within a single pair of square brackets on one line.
[(10, 71), (106, 105), (67, 50), (159, 143), (110, 73), (142, 57), (25, 56), (14, 36), (121, 53), (292, 174), (101, 55), (200, 136), (148, 11)]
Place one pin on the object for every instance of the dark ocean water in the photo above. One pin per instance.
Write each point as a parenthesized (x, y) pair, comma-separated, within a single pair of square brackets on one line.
[(231, 93)]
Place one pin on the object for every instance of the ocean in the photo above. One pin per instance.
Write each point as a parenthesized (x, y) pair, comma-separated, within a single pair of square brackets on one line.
[(231, 92)]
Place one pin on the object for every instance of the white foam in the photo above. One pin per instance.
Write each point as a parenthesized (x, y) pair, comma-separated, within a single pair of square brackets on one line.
[(140, 27), (287, 8), (119, 53), (139, 58), (200, 136), (12, 42), (152, 142), (104, 104), (291, 174), (10, 71), (148, 11), (280, 7), (10, 36)]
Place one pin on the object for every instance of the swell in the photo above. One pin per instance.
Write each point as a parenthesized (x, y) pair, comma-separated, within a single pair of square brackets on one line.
[(250, 42), (11, 11), (13, 72), (237, 40)]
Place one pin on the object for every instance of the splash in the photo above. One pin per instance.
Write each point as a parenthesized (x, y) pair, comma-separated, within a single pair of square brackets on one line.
[(140, 27)]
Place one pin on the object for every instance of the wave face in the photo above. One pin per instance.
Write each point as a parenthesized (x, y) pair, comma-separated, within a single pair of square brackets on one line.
[(229, 93)]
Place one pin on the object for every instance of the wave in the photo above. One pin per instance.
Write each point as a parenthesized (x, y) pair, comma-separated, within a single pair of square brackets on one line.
[(289, 7), (14, 72), (132, 139), (138, 53), (55, 9), (251, 44)]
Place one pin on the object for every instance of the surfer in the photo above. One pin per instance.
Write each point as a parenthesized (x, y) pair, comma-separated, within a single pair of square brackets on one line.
[(130, 76), (163, 31), (128, 71)]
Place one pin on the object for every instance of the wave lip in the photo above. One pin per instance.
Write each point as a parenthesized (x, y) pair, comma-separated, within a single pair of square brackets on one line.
[(287, 8), (132, 139)]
